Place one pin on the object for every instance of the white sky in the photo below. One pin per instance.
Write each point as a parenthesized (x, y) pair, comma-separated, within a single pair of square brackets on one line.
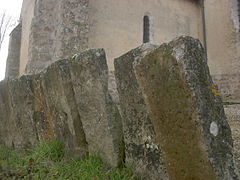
[(12, 8)]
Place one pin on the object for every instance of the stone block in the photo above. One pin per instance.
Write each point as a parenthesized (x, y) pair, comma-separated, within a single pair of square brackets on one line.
[(68, 100), (141, 148), (186, 115)]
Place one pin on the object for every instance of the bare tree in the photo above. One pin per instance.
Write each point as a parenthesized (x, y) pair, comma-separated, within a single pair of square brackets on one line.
[(5, 23)]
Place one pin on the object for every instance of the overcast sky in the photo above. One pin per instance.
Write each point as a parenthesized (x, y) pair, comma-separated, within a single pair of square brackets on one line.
[(13, 8)]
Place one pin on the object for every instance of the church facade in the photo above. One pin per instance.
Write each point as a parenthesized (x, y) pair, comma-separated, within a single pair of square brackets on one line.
[(50, 30)]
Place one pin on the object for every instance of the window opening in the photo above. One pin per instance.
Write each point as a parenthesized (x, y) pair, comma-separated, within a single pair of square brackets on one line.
[(146, 29)]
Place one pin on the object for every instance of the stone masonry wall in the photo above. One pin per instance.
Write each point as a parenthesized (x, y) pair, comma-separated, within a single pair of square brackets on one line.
[(27, 13), (41, 40), (58, 30), (233, 115), (12, 65), (72, 28), (223, 44), (228, 86)]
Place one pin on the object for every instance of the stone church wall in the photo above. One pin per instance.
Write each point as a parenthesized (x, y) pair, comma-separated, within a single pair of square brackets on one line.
[(54, 30), (117, 26), (223, 44), (12, 64), (58, 29), (26, 19)]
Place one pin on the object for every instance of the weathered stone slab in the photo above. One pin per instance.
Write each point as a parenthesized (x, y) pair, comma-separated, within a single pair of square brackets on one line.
[(16, 112), (55, 108), (68, 100), (141, 147), (174, 83), (100, 117)]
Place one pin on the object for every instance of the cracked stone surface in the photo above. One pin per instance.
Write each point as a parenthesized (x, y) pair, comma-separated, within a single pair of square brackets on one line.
[(68, 100), (174, 87)]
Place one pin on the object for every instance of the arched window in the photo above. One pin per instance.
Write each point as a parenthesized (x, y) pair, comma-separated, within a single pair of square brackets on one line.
[(146, 29)]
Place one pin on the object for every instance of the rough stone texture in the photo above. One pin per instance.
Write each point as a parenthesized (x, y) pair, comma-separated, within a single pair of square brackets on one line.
[(233, 117), (186, 114), (100, 117), (16, 112), (13, 59), (58, 30), (72, 28), (228, 86), (41, 37), (68, 100), (229, 90), (112, 87), (141, 148)]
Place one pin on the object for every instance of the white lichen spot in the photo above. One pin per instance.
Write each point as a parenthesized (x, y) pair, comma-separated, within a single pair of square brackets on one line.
[(98, 54), (214, 129), (179, 52)]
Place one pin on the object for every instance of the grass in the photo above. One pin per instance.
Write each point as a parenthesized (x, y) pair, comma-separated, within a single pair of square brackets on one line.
[(47, 161)]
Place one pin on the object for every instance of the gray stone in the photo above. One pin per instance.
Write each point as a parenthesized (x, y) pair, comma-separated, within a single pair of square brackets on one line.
[(186, 113), (68, 100), (99, 115), (112, 87), (57, 32), (17, 126), (173, 120), (141, 148)]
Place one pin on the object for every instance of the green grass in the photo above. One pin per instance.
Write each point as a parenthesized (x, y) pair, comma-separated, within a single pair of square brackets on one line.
[(47, 161)]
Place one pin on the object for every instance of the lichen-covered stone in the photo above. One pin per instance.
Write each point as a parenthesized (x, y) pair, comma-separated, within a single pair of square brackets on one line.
[(99, 115), (68, 100), (186, 112), (141, 148), (17, 127)]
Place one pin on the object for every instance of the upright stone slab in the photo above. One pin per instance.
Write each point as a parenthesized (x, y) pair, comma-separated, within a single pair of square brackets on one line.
[(141, 148), (17, 126), (68, 100), (99, 115), (187, 114), (55, 109), (73, 104)]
